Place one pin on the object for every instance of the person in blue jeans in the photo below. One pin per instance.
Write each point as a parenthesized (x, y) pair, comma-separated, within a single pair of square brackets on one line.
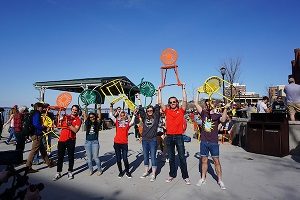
[(175, 128), (10, 121), (92, 146), (209, 138), (150, 120)]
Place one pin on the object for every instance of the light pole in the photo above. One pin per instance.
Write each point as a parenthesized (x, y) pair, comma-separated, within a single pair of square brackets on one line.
[(223, 72)]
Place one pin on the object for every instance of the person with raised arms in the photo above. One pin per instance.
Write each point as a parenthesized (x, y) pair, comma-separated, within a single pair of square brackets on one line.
[(121, 139), (175, 124), (209, 138), (150, 120)]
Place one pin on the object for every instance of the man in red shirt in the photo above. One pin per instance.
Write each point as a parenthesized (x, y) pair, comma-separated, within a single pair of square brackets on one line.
[(70, 126), (175, 129)]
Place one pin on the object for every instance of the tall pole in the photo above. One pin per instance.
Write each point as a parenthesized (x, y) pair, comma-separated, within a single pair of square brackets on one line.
[(223, 72), (223, 88)]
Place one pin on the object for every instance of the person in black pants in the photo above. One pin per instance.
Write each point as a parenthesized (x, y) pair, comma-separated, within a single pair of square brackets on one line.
[(70, 126), (121, 139)]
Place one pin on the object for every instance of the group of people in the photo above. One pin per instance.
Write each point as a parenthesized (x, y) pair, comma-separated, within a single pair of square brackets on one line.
[(153, 135), (291, 103), (175, 126), (161, 126)]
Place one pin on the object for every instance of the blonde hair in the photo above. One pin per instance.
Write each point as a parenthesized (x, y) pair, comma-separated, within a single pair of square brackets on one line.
[(22, 109), (13, 111)]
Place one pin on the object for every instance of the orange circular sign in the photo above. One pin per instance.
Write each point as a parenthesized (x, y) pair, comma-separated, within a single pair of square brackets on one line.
[(64, 99), (169, 56)]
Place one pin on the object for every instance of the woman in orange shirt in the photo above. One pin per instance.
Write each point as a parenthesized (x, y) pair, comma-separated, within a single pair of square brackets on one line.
[(121, 139)]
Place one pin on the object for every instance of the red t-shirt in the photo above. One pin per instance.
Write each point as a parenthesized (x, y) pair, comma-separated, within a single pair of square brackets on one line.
[(175, 121), (122, 128), (66, 133)]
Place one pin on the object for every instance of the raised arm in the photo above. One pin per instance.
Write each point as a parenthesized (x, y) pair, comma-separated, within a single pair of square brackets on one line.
[(138, 96), (224, 114), (198, 107), (111, 116), (99, 113), (159, 99), (184, 97), (131, 123), (85, 115)]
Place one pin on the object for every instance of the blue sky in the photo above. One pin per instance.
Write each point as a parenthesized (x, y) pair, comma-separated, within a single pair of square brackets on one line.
[(42, 40)]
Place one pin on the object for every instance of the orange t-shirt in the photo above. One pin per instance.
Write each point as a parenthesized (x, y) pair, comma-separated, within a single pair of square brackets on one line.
[(175, 121), (66, 133), (122, 128)]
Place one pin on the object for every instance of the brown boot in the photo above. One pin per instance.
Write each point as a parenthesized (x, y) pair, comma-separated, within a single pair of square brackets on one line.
[(30, 170), (52, 164)]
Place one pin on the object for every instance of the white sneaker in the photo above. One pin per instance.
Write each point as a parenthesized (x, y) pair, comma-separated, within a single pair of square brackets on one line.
[(70, 175), (56, 177), (201, 182), (144, 175), (187, 181), (152, 178), (222, 185)]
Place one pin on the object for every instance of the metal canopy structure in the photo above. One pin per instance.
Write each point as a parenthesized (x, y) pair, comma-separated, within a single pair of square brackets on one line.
[(79, 85)]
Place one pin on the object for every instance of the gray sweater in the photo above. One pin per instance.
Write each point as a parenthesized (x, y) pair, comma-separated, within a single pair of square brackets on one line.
[(150, 124)]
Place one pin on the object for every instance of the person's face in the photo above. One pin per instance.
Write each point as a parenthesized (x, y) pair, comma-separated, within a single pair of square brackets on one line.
[(40, 109), (173, 103), (279, 99), (149, 111), (209, 105), (92, 118), (74, 111), (123, 115), (118, 110)]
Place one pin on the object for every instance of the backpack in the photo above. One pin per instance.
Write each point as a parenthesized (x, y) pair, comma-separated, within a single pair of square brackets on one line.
[(18, 122), (28, 127)]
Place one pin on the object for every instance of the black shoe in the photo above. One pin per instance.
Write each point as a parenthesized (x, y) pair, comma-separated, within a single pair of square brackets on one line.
[(31, 171), (128, 174), (121, 174)]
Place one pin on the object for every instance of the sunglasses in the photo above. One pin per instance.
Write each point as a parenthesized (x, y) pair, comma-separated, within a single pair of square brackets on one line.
[(92, 117), (172, 102)]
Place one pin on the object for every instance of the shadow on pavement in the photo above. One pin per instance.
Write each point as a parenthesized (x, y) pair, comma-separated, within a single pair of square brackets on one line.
[(108, 160), (137, 162)]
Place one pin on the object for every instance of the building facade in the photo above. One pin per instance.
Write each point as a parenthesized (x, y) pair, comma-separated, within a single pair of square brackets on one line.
[(275, 91), (296, 66)]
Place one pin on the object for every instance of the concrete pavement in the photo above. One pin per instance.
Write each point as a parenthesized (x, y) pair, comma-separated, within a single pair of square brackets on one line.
[(246, 175)]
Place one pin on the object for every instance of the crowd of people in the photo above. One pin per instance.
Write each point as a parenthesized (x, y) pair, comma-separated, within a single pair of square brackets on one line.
[(159, 128)]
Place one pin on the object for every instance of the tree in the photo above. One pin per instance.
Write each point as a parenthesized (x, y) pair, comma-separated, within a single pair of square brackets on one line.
[(232, 66), (191, 92)]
